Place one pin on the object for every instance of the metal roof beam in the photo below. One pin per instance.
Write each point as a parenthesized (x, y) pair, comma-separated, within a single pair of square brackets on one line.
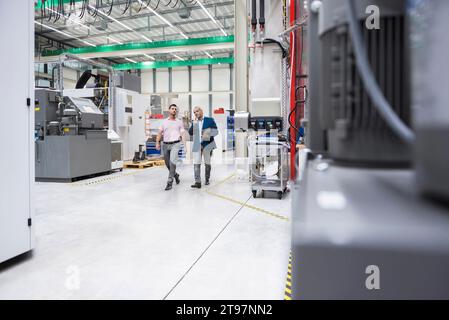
[(145, 47), (161, 38), (172, 64), (159, 26), (65, 43), (150, 14)]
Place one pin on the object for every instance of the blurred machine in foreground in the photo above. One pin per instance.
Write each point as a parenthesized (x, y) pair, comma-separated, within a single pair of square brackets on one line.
[(71, 141), (430, 51), (361, 226)]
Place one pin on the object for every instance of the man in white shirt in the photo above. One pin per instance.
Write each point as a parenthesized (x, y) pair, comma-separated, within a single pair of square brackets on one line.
[(171, 131)]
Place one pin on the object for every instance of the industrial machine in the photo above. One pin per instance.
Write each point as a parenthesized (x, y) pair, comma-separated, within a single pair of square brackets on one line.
[(241, 120), (17, 148), (71, 141), (140, 155), (356, 131), (225, 136), (361, 228), (230, 139), (127, 118), (156, 104), (116, 151), (267, 92)]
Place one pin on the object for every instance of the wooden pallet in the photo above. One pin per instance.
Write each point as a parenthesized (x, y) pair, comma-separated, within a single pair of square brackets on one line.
[(144, 164), (158, 163)]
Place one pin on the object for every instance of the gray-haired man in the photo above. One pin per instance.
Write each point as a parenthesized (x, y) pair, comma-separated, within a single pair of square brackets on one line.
[(203, 129)]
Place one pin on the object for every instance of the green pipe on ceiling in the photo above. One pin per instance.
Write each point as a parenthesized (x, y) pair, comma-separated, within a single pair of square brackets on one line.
[(51, 2), (172, 64), (140, 45)]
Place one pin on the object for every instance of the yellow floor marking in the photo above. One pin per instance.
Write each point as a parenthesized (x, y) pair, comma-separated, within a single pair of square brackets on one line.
[(269, 213), (288, 283), (105, 179)]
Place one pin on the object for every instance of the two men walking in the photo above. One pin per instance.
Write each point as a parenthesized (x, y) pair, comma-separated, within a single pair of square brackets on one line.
[(171, 132)]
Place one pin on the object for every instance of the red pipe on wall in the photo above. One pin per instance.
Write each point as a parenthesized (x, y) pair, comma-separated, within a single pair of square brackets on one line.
[(292, 92)]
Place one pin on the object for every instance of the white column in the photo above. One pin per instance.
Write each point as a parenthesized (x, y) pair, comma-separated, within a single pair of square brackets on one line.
[(241, 53), (241, 67)]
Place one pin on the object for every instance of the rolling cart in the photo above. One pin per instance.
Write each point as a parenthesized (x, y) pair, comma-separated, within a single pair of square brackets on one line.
[(269, 164)]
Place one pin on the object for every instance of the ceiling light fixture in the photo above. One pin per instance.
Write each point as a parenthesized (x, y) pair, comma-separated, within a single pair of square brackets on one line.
[(162, 18), (211, 17), (149, 57), (83, 25), (155, 12), (120, 23), (113, 40), (63, 33), (131, 60), (177, 57)]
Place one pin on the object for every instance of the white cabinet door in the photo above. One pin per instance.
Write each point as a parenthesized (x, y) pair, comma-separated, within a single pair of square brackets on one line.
[(16, 140)]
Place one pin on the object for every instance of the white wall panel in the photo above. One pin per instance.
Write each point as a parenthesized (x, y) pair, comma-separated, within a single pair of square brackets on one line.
[(200, 79), (180, 77), (147, 81), (220, 100), (220, 78), (200, 82), (162, 80)]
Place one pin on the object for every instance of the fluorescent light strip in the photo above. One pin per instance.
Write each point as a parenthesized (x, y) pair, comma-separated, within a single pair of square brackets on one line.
[(131, 60), (155, 12), (208, 54), (162, 18), (113, 40), (211, 17), (149, 57), (146, 38), (177, 57), (123, 25), (65, 34), (83, 25)]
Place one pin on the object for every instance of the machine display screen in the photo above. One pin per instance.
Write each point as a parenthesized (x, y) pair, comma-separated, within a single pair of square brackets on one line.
[(85, 105)]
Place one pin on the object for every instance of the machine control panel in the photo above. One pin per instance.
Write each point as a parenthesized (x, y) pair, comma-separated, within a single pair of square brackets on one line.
[(267, 123)]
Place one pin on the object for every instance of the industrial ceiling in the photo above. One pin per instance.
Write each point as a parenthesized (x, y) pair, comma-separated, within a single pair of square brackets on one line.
[(65, 24)]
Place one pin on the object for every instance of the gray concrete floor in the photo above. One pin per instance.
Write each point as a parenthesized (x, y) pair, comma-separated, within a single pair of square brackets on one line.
[(123, 237)]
